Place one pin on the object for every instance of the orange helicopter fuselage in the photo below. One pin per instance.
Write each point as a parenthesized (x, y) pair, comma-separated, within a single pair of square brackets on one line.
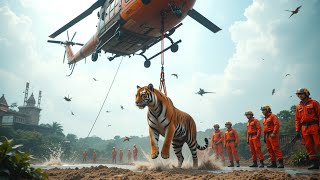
[(127, 26)]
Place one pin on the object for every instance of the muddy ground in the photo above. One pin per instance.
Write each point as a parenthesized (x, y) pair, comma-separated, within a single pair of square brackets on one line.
[(103, 172)]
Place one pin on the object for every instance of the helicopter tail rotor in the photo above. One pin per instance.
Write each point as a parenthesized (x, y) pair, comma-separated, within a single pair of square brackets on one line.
[(67, 42)]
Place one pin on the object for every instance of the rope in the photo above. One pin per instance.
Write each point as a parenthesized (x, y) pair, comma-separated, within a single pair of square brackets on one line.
[(101, 105), (162, 85)]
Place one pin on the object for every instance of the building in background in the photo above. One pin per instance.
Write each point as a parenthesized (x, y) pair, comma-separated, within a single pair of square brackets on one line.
[(28, 114)]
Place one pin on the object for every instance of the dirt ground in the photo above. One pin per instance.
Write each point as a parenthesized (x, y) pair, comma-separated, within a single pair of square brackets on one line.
[(103, 172)]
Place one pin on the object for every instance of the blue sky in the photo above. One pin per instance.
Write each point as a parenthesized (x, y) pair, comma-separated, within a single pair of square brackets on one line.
[(228, 62)]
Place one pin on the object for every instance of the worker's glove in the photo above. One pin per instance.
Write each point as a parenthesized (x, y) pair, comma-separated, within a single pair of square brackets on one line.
[(298, 135)]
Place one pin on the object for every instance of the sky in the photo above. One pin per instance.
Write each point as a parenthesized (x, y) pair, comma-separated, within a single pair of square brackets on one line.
[(229, 63)]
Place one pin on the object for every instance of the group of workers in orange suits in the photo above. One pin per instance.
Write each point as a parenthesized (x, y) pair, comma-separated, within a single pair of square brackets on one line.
[(307, 126), (134, 153)]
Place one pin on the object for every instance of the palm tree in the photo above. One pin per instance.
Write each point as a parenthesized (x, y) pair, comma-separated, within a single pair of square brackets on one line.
[(56, 128)]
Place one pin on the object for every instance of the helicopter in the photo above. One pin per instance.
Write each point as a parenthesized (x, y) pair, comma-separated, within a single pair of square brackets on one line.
[(128, 26), (201, 92)]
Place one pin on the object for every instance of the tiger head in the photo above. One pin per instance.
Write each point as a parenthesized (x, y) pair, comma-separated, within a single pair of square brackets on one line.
[(144, 96)]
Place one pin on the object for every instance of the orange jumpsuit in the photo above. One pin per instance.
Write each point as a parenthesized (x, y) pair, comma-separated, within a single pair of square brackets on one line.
[(231, 139), (135, 153), (253, 137), (271, 125), (307, 120), (217, 144), (121, 156), (94, 157), (129, 155), (114, 155)]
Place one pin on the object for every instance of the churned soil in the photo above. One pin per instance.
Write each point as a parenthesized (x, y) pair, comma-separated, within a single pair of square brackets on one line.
[(103, 172)]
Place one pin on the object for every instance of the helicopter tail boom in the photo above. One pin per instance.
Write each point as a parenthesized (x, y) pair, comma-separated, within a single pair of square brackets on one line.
[(85, 51)]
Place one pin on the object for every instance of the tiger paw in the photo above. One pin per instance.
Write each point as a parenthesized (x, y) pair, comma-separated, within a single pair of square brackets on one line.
[(155, 155), (165, 155)]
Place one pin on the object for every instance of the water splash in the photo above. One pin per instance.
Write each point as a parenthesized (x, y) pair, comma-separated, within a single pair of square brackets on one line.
[(55, 157), (205, 160)]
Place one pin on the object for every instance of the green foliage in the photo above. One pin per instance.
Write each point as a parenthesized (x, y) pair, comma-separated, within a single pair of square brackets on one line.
[(299, 158), (15, 164)]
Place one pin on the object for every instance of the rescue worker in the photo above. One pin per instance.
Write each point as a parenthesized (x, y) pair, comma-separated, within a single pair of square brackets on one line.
[(135, 152), (94, 156), (121, 156), (114, 155), (271, 127), (129, 156), (217, 142), (84, 156), (307, 121), (231, 140), (253, 139)]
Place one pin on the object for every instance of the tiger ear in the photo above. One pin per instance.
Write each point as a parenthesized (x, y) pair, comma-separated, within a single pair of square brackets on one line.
[(138, 87), (150, 86)]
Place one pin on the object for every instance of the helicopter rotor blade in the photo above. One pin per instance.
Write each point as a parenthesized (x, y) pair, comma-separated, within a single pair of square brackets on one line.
[(84, 14), (73, 36), (57, 42), (68, 35), (64, 56), (203, 21)]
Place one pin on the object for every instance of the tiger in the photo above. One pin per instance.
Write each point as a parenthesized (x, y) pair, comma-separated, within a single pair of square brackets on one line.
[(168, 121)]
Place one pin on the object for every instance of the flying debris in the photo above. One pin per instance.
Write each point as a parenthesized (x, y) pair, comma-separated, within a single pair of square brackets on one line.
[(175, 75), (72, 113), (288, 75), (273, 91), (13, 105), (262, 59), (67, 98), (290, 96), (122, 107), (295, 11), (201, 92), (94, 79), (108, 111), (109, 125), (126, 138)]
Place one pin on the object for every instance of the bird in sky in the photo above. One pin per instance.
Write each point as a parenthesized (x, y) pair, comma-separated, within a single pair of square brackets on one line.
[(201, 92), (288, 75), (273, 91), (108, 111), (122, 107), (295, 11), (67, 98), (262, 59), (94, 79), (72, 113), (109, 125), (175, 75), (126, 138)]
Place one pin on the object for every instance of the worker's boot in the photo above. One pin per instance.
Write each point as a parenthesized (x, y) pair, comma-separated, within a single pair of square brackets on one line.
[(261, 164), (280, 164), (273, 165), (315, 164), (255, 164), (238, 164), (231, 164)]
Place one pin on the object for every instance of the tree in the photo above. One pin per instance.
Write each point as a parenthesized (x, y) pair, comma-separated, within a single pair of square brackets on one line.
[(72, 138), (285, 115), (56, 128), (116, 137)]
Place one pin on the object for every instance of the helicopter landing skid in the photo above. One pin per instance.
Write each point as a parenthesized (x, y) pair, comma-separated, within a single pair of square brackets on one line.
[(174, 48)]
